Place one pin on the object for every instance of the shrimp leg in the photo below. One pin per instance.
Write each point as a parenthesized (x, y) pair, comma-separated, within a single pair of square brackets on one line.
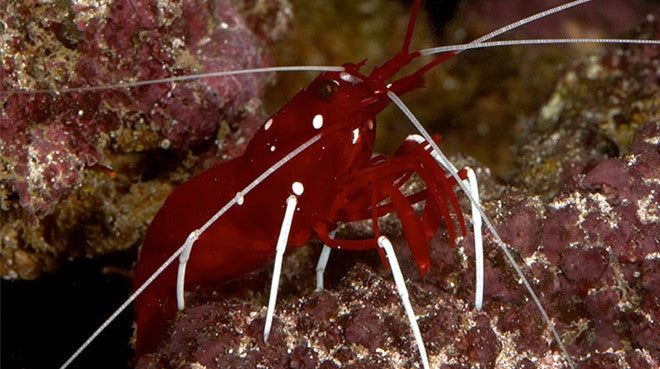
[(322, 263), (401, 288), (473, 186), (291, 203), (181, 276)]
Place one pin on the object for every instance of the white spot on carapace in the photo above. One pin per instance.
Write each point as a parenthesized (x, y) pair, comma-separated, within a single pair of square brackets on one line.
[(317, 121), (388, 86), (370, 124), (269, 123), (80, 113), (349, 78), (239, 198), (224, 25), (356, 135), (272, 148), (297, 188)]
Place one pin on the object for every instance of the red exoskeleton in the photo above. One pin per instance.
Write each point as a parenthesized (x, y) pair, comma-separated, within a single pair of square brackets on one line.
[(334, 120), (332, 123), (329, 126)]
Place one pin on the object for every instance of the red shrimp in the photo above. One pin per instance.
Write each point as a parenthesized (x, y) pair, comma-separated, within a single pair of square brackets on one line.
[(318, 210), (338, 107)]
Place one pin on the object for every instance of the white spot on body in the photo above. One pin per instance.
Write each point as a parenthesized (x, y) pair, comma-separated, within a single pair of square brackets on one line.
[(297, 188), (269, 123), (317, 121), (356, 135), (272, 148), (349, 78)]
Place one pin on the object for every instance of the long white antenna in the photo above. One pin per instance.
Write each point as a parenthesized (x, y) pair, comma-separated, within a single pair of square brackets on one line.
[(293, 68), (537, 41), (529, 19)]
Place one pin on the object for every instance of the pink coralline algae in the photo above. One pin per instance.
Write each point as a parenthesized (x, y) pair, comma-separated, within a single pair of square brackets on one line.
[(160, 132), (604, 238), (589, 243)]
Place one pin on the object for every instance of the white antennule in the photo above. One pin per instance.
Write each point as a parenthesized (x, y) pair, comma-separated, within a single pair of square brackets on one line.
[(537, 41), (529, 19), (188, 245), (482, 42), (293, 68)]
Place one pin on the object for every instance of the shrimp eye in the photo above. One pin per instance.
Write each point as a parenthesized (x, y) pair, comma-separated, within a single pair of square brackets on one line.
[(327, 88)]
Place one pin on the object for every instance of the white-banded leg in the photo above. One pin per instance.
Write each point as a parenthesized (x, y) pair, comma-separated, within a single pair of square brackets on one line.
[(291, 203), (320, 266), (322, 263), (400, 283), (181, 275), (471, 183)]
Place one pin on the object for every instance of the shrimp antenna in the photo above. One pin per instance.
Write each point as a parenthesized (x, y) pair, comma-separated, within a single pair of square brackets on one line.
[(537, 41), (191, 77), (404, 57), (475, 43)]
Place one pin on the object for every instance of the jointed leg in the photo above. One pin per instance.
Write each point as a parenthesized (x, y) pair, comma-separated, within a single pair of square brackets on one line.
[(385, 244), (181, 276), (478, 239), (320, 266), (291, 203)]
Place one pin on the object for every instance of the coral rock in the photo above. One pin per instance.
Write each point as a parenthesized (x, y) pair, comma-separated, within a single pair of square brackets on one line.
[(57, 147)]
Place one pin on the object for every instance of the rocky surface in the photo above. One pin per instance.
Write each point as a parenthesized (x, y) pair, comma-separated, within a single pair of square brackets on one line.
[(83, 173)]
